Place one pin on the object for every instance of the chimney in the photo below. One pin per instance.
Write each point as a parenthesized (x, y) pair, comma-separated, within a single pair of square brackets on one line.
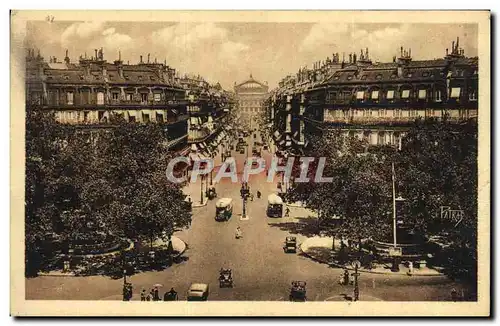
[(95, 50), (119, 55), (453, 47), (350, 57), (394, 59), (354, 58), (141, 59), (446, 51), (66, 58), (458, 42), (366, 54), (148, 57)]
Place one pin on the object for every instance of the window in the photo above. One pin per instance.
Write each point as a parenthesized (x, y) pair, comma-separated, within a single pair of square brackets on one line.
[(382, 113), (374, 95), (390, 95), (145, 117), (425, 74), (360, 95), (455, 92), (139, 77), (408, 75), (405, 93), (398, 113), (152, 78), (473, 95), (100, 98), (144, 97), (422, 94), (81, 77), (363, 77), (349, 77), (69, 98), (393, 76), (114, 96), (159, 117), (379, 76), (381, 138), (438, 95), (157, 97), (129, 96)]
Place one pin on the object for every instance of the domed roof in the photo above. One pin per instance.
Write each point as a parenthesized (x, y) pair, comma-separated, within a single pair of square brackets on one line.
[(251, 83)]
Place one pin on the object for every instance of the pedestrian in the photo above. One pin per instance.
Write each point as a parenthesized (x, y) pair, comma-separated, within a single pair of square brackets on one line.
[(410, 268), (287, 212), (143, 294), (156, 295), (149, 297), (152, 294), (346, 276), (258, 194)]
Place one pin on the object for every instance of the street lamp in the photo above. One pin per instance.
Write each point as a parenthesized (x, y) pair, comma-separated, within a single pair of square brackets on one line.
[(357, 265), (396, 253), (201, 189)]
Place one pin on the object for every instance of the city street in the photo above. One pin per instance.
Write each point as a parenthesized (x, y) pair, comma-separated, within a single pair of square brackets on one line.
[(261, 270)]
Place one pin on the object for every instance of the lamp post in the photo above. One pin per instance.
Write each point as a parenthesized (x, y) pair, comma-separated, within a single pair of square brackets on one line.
[(357, 265), (244, 194), (201, 189), (395, 261)]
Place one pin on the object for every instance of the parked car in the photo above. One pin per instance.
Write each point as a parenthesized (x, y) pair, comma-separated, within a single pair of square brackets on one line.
[(198, 292)]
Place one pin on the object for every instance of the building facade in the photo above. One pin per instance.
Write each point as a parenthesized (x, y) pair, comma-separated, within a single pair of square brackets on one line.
[(86, 95), (250, 96), (373, 101)]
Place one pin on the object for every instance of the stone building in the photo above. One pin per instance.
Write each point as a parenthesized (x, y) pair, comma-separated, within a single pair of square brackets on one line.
[(371, 100), (250, 96), (85, 95)]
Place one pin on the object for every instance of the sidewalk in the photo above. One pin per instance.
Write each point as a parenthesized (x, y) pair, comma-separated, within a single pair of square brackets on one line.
[(319, 249)]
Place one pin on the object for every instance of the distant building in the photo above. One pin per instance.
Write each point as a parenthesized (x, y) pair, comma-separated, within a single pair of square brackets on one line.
[(250, 96), (371, 100)]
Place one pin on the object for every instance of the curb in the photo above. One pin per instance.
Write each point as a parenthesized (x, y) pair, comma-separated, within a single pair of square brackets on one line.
[(71, 274), (197, 205), (366, 270)]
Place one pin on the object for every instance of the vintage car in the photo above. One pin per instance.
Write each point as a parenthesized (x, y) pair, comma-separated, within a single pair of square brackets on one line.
[(225, 278), (290, 244), (223, 209), (298, 291), (198, 292), (170, 296)]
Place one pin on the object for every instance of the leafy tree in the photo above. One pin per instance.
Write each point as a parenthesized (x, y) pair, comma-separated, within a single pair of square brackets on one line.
[(359, 193), (438, 167)]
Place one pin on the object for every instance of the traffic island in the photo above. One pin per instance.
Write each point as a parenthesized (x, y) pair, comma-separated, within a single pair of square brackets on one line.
[(320, 250), (111, 264)]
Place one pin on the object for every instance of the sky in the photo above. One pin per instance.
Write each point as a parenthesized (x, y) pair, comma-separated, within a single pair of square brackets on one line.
[(230, 52)]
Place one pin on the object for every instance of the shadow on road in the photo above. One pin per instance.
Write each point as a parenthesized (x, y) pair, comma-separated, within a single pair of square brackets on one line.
[(301, 225)]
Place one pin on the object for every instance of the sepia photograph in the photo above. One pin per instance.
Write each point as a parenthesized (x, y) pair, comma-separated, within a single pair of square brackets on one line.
[(266, 163)]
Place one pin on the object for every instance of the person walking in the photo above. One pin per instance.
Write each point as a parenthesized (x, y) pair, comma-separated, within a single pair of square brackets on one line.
[(346, 276), (258, 194), (287, 212), (156, 295), (143, 294)]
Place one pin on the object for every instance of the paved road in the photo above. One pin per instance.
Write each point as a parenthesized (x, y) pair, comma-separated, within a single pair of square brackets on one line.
[(262, 271)]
